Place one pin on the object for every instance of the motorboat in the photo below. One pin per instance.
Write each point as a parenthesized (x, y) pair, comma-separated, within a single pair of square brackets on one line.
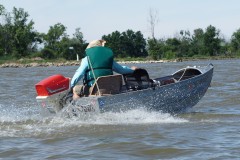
[(174, 93)]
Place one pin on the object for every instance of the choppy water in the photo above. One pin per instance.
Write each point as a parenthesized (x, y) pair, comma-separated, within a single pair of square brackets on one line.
[(210, 131)]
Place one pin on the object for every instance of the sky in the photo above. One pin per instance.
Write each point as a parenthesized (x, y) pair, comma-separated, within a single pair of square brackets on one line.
[(102, 17)]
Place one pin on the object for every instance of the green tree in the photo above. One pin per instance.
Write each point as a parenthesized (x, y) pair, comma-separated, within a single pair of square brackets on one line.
[(2, 9), (23, 34), (212, 41), (184, 48), (197, 45), (47, 53), (78, 43), (2, 47), (172, 46), (133, 44), (114, 42), (156, 48), (71, 47), (17, 34), (6, 42), (127, 44), (53, 38), (235, 41), (139, 44)]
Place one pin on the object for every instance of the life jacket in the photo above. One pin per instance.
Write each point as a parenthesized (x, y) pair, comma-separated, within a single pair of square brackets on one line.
[(100, 60)]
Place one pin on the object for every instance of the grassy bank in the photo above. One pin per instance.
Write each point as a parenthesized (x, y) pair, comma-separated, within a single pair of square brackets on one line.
[(39, 62), (4, 60)]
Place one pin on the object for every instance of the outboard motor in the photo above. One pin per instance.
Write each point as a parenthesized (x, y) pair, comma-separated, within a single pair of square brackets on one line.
[(52, 92)]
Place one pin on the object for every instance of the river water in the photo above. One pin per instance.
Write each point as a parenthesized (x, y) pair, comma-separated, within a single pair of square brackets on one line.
[(211, 130)]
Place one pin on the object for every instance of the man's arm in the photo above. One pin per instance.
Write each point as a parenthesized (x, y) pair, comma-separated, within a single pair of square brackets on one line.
[(121, 69), (79, 72)]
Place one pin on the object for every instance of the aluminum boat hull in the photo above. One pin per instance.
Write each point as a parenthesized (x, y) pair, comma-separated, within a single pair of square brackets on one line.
[(171, 98)]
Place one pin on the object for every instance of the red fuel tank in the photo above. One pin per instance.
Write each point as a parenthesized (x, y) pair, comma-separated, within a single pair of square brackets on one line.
[(52, 85)]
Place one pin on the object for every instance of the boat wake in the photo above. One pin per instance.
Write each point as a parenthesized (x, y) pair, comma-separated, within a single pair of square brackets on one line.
[(136, 116), (27, 121)]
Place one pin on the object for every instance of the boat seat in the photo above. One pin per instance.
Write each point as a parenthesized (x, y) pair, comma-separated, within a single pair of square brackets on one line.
[(108, 85), (138, 80)]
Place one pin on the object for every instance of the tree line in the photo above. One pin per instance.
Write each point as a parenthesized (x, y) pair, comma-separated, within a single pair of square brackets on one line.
[(206, 42), (18, 39)]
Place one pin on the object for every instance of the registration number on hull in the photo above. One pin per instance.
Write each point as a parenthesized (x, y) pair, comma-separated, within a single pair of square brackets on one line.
[(85, 108)]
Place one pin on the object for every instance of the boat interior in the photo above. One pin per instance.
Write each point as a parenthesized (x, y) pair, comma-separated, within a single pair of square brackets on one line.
[(180, 75), (186, 73), (115, 84)]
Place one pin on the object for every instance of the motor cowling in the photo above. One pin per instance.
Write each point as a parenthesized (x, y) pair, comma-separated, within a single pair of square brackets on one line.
[(52, 85)]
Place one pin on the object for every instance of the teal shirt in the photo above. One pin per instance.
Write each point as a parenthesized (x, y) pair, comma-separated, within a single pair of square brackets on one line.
[(84, 66)]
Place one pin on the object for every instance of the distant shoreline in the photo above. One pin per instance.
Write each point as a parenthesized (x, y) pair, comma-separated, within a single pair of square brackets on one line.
[(39, 63), (69, 63)]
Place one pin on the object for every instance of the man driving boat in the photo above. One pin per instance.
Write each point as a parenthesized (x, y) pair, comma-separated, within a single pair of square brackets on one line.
[(98, 62)]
